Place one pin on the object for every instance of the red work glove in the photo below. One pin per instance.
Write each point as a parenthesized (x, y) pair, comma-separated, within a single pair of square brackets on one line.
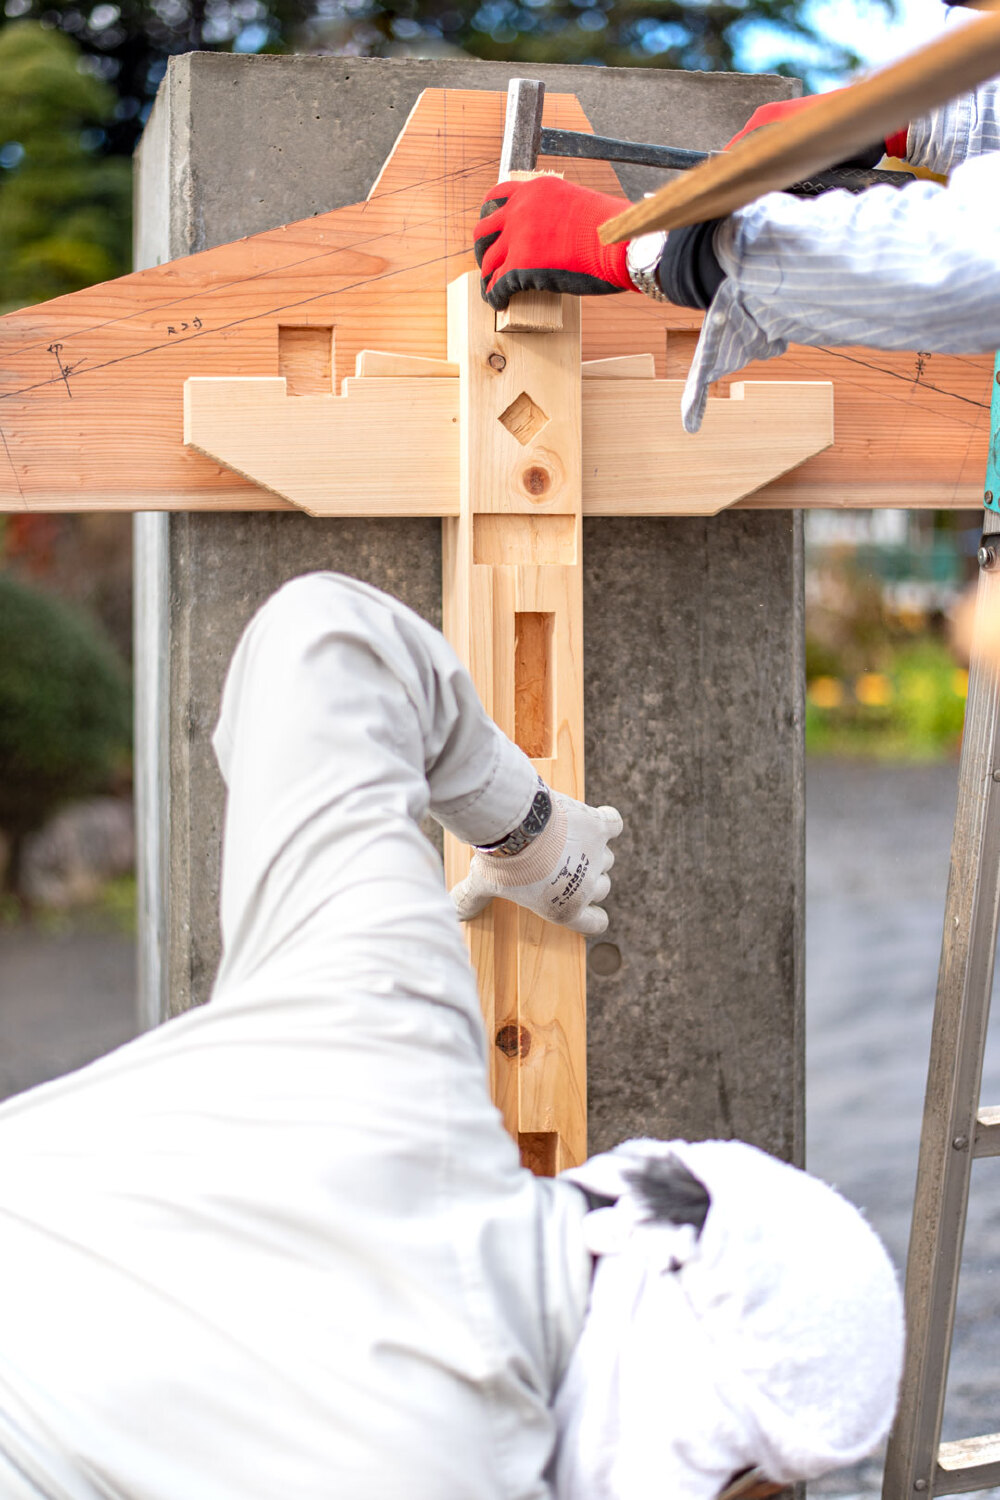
[(541, 236), (767, 114)]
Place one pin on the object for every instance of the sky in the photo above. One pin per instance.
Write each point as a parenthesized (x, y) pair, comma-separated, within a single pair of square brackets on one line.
[(878, 37)]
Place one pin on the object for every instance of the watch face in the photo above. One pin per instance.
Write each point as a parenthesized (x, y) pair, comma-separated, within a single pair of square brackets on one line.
[(538, 814), (535, 820), (644, 253)]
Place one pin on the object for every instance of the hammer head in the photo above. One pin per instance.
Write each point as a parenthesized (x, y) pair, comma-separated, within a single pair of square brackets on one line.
[(522, 133)]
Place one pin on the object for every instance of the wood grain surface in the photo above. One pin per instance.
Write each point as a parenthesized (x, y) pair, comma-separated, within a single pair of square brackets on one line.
[(91, 385), (513, 610)]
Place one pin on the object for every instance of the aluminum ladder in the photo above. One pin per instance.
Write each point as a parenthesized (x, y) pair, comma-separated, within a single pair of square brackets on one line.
[(956, 1129)]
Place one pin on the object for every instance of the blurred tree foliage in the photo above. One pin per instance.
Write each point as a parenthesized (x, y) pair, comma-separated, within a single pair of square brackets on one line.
[(690, 34), (127, 43), (65, 710), (64, 206)]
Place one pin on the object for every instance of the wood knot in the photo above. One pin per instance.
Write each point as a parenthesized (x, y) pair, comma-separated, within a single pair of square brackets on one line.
[(497, 362), (514, 1040), (536, 480)]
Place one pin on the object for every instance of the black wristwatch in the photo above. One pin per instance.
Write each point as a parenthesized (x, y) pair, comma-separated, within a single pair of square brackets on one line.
[(528, 829)]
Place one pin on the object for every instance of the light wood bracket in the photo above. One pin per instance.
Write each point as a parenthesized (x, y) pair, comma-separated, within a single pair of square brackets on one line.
[(330, 454)]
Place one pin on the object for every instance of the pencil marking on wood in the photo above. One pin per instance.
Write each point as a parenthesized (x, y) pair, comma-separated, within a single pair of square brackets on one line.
[(894, 446), (65, 370), (898, 375), (13, 470), (221, 327)]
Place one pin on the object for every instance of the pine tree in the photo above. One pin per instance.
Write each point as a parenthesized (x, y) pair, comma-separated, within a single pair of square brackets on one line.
[(63, 205), (65, 711)]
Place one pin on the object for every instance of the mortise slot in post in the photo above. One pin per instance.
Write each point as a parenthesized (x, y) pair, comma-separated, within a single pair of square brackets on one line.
[(533, 683), (539, 1151), (305, 359), (511, 540)]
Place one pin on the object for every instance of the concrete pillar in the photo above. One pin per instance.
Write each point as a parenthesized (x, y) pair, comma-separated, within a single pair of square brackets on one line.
[(693, 629)]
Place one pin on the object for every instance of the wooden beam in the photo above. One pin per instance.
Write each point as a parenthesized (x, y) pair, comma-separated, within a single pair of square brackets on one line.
[(378, 364), (91, 404), (513, 609), (621, 367), (328, 454)]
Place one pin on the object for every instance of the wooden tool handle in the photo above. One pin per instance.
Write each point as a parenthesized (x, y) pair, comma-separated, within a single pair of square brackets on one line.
[(777, 155)]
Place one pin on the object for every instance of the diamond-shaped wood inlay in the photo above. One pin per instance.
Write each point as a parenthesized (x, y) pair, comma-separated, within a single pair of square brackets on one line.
[(524, 418)]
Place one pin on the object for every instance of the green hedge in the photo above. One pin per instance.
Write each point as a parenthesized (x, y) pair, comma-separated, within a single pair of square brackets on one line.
[(65, 707)]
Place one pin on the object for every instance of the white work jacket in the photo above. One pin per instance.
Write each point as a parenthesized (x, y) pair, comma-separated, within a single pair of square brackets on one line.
[(281, 1248)]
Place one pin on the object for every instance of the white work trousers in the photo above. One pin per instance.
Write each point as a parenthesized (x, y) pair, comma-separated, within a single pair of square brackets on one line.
[(281, 1248)]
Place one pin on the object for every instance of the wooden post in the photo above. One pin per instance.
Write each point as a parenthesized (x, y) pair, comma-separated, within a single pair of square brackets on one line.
[(513, 609)]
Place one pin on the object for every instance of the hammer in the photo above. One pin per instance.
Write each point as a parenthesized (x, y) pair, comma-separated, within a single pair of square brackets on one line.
[(525, 139)]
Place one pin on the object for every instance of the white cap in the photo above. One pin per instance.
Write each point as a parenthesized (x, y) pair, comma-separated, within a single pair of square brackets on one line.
[(772, 1338)]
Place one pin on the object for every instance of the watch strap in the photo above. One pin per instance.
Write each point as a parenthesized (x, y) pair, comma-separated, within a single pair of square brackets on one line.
[(531, 825), (642, 262)]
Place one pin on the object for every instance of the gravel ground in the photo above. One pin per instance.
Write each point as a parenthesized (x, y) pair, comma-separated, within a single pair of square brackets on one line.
[(877, 842), (64, 1000), (877, 866)]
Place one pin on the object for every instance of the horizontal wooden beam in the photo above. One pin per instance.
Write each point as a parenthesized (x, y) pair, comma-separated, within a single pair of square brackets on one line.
[(639, 461), (91, 385)]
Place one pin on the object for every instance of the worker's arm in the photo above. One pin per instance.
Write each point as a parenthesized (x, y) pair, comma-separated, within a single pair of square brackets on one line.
[(940, 141), (965, 127), (911, 268), (556, 863), (345, 718), (542, 235)]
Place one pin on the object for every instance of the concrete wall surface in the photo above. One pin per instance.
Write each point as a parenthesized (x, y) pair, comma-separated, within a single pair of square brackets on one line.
[(693, 629)]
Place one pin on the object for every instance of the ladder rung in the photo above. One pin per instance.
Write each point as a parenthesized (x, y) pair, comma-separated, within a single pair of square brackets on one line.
[(987, 1141), (970, 1464)]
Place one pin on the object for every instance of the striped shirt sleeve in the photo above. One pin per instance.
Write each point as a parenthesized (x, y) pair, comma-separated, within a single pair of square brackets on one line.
[(910, 268), (967, 126)]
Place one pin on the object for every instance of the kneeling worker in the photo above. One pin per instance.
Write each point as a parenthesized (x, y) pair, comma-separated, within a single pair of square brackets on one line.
[(281, 1248)]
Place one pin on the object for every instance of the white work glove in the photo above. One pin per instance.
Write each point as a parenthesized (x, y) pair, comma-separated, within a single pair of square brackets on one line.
[(562, 874)]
